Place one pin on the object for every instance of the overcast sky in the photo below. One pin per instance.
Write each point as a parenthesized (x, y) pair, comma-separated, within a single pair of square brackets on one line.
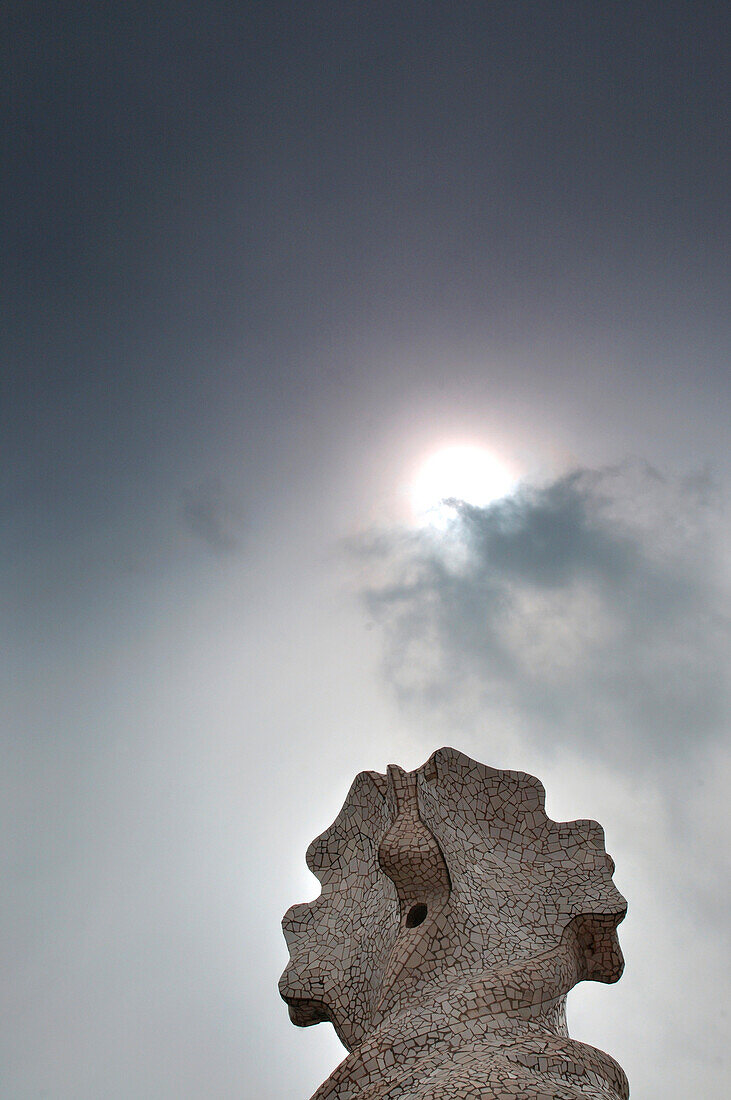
[(260, 263)]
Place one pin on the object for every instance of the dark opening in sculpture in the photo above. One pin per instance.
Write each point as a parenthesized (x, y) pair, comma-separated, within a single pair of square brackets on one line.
[(416, 916)]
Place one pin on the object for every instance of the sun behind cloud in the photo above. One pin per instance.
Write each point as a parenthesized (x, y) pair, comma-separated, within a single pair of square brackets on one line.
[(464, 472)]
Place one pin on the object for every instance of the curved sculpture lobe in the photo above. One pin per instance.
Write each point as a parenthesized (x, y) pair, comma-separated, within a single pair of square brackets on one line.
[(454, 918)]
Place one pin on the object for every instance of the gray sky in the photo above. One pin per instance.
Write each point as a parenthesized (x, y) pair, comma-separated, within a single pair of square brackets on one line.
[(260, 263)]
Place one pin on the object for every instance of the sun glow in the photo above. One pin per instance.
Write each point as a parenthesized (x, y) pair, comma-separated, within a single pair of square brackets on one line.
[(468, 473)]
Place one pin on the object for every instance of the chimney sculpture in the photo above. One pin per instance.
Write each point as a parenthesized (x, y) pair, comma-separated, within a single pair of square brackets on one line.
[(453, 920)]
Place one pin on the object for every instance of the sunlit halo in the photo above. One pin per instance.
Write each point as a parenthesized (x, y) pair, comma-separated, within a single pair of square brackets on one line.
[(466, 473)]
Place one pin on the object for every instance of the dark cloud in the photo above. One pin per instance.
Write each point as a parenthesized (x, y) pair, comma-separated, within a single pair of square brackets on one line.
[(205, 514), (587, 612)]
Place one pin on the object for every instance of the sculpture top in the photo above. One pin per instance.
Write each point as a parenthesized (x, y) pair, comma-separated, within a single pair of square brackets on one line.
[(454, 918)]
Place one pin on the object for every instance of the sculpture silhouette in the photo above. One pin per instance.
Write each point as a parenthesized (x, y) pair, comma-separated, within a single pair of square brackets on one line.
[(454, 918)]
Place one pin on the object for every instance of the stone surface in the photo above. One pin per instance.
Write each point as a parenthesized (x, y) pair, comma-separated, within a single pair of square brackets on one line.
[(454, 918)]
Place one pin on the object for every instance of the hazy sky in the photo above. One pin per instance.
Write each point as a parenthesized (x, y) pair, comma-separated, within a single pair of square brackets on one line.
[(260, 262)]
